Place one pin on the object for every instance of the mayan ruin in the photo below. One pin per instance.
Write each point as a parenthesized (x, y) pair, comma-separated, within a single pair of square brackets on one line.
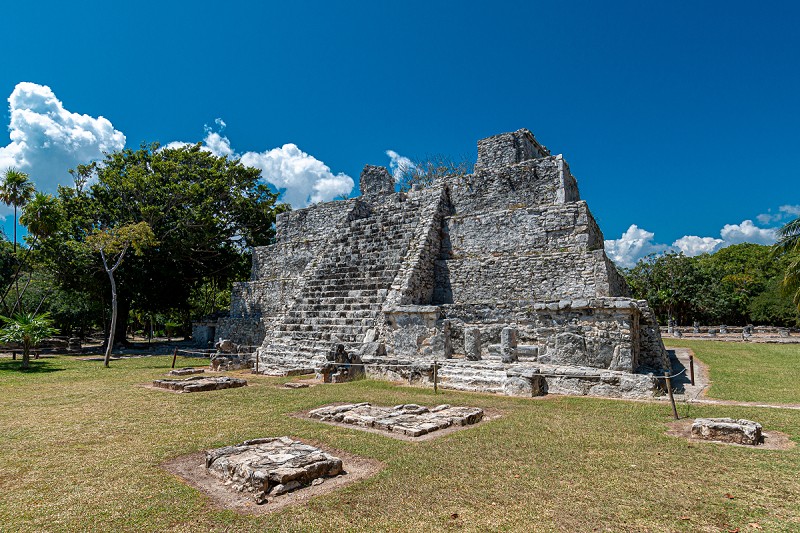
[(499, 276)]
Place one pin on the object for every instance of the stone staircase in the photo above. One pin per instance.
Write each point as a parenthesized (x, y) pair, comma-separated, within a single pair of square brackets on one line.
[(344, 293)]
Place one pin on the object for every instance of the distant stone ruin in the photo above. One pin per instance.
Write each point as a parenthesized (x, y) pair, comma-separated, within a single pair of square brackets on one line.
[(199, 383), (499, 275)]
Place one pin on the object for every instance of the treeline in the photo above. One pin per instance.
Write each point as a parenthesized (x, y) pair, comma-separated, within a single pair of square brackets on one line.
[(737, 285), (203, 213)]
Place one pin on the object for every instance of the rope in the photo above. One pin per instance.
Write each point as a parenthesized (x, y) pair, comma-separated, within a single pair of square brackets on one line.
[(673, 376)]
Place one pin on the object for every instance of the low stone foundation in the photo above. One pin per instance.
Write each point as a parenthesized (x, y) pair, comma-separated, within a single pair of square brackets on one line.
[(271, 466), (186, 371), (199, 384), (411, 420), (728, 430)]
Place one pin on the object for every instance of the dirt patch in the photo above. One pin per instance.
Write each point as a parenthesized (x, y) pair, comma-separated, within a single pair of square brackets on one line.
[(773, 440), (488, 415), (191, 469)]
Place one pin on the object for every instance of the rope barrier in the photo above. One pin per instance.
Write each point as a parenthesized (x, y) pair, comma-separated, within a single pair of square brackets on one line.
[(673, 376)]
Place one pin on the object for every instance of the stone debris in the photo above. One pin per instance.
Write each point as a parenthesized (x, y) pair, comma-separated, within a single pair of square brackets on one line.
[(200, 383), (728, 430), (186, 371), (270, 467), (506, 263), (410, 419), (295, 385)]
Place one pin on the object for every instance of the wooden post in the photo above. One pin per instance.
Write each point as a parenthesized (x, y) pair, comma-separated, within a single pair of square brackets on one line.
[(13, 355), (256, 362), (435, 376), (174, 356), (671, 397), (691, 368)]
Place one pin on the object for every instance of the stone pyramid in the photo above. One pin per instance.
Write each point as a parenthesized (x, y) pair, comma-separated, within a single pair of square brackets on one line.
[(499, 276)]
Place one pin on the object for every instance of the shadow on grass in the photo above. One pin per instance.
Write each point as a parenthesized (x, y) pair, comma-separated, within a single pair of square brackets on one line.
[(37, 366)]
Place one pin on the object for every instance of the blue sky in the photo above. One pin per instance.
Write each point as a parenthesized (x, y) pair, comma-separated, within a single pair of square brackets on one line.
[(679, 119)]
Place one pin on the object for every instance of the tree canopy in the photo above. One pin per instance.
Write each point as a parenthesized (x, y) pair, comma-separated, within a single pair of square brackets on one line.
[(735, 285), (205, 212)]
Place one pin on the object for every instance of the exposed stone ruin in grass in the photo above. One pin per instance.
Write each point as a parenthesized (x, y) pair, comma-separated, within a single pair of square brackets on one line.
[(499, 275), (270, 467), (186, 371), (199, 383), (728, 430), (411, 420)]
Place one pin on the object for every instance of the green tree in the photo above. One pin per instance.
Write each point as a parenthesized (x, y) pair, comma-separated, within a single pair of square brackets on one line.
[(789, 243), (113, 244), (27, 329), (205, 211), (16, 189)]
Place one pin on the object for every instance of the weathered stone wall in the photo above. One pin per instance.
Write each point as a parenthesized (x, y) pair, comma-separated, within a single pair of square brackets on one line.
[(244, 331), (603, 333), (283, 260), (538, 276), (523, 230), (415, 281), (313, 223), (509, 148), (530, 183)]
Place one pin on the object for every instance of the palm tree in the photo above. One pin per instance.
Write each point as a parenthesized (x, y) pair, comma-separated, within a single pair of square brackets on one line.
[(789, 241), (27, 329), (16, 189)]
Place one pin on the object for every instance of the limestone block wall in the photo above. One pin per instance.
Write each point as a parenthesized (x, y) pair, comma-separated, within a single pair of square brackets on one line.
[(556, 228), (538, 276), (416, 280), (315, 222), (284, 259), (530, 183), (509, 148), (604, 333)]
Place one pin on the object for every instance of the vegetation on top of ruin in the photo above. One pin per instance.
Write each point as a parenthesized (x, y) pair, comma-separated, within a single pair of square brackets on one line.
[(422, 173)]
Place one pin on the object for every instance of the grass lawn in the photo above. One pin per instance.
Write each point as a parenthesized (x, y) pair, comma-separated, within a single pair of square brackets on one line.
[(81, 447), (749, 372)]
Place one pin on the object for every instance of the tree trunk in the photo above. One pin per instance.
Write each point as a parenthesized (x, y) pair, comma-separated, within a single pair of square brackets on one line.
[(123, 314), (113, 328), (26, 356)]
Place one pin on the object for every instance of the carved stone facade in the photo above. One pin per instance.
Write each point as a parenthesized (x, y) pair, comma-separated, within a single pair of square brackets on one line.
[(509, 254)]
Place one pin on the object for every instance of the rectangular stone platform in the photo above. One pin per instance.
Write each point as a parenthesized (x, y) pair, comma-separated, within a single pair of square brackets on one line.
[(271, 466)]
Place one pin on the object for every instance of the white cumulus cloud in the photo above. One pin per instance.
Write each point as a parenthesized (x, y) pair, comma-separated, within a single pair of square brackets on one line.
[(747, 232), (301, 178), (634, 244), (47, 140), (399, 164), (784, 212), (692, 245), (637, 243)]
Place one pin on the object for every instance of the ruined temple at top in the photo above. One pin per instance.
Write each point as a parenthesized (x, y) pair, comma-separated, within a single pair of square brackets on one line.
[(500, 276)]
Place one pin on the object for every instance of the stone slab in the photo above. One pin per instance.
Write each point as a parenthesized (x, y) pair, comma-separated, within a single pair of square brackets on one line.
[(199, 383), (272, 466), (186, 371), (728, 430), (411, 420)]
